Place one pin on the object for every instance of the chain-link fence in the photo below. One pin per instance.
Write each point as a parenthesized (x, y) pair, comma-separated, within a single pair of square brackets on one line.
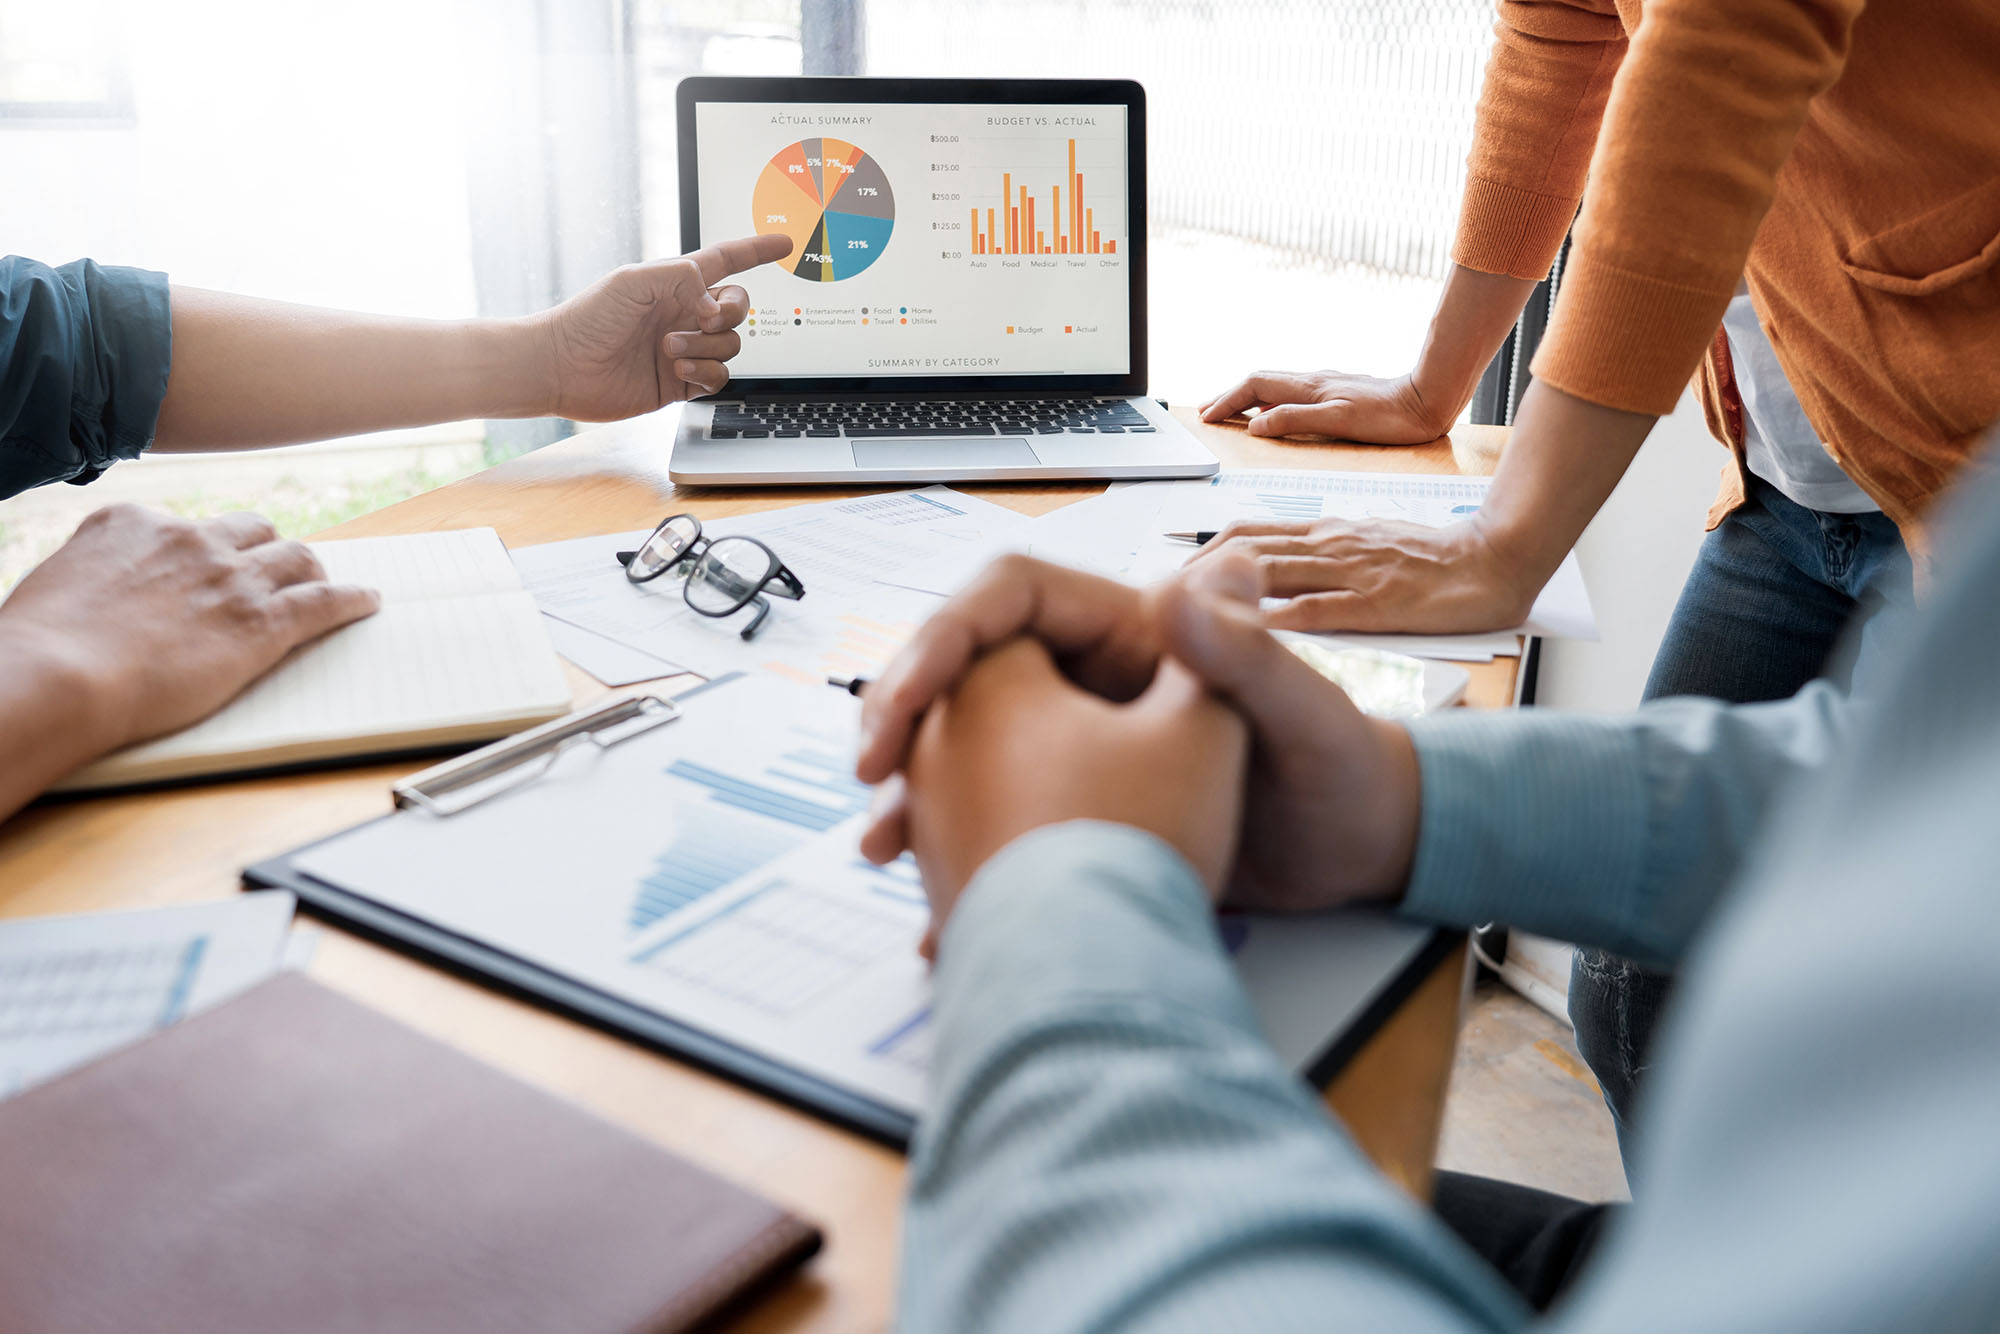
[(1335, 130)]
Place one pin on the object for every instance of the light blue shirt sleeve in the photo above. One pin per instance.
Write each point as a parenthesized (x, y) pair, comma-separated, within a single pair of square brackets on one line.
[(1617, 832), (1110, 1145), (1100, 1094)]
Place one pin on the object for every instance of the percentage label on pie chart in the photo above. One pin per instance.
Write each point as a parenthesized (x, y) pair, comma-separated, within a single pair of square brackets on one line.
[(833, 201)]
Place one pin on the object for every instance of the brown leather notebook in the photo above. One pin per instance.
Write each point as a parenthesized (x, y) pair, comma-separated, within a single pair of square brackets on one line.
[(292, 1160)]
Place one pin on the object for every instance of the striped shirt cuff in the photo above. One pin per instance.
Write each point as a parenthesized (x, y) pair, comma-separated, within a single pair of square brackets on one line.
[(1539, 821)]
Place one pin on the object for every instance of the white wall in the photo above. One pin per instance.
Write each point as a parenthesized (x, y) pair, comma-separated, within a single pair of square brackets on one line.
[(1635, 556)]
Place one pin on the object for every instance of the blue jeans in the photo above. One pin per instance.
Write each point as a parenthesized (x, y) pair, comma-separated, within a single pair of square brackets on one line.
[(1763, 613)]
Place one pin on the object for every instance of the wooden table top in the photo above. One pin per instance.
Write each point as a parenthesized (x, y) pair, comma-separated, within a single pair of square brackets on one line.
[(189, 844)]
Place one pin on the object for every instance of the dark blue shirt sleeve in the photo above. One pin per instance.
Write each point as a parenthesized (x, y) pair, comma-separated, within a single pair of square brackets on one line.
[(84, 352)]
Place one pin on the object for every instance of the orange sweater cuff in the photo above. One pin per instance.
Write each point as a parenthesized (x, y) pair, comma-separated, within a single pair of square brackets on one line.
[(1504, 229), (1624, 340)]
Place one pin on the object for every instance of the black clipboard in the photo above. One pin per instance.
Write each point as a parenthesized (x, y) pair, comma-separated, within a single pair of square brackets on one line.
[(478, 961)]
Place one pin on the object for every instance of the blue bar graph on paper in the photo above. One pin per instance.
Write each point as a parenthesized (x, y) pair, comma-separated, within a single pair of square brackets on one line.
[(809, 789), (899, 880), (183, 984), (1291, 506), (704, 857), (775, 803)]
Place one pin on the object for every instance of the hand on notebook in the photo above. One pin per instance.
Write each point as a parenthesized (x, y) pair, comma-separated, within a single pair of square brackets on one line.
[(1014, 746), (651, 334), (143, 623), (1345, 407), (1331, 796)]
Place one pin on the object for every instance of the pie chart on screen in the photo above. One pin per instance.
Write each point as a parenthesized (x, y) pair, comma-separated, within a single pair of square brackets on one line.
[(833, 201)]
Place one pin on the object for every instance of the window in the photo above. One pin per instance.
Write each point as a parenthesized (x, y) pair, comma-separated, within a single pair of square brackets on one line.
[(443, 159), (1306, 158), (63, 63)]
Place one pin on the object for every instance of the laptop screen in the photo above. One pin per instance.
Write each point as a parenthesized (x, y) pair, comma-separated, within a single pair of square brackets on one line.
[(940, 240)]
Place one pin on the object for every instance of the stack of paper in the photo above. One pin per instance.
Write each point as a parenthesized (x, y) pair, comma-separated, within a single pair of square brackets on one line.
[(874, 568), (75, 988), (1123, 534)]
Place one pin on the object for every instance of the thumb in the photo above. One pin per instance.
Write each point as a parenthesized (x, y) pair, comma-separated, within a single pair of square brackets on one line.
[(1223, 640)]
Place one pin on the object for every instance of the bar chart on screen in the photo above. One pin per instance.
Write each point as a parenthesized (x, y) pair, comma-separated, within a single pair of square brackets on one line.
[(1021, 205)]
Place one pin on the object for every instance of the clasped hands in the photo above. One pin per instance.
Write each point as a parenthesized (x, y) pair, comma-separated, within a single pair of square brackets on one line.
[(1041, 694)]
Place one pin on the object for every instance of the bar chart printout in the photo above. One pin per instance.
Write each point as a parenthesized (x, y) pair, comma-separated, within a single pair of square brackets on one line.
[(730, 823), (815, 954), (1014, 229), (75, 988)]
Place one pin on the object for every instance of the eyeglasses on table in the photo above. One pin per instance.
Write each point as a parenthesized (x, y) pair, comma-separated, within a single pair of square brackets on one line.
[(723, 575)]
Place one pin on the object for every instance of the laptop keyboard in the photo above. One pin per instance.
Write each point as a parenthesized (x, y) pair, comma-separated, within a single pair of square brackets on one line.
[(866, 420)]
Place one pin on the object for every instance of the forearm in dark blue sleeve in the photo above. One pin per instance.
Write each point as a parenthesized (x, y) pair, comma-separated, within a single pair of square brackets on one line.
[(84, 354)]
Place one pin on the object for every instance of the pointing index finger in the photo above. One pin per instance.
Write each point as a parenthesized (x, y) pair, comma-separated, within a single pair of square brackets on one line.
[(718, 261)]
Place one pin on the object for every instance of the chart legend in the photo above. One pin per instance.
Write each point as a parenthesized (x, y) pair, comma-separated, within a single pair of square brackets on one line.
[(833, 201)]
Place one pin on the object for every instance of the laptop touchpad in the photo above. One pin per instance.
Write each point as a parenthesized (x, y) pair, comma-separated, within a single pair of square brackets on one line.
[(1000, 452)]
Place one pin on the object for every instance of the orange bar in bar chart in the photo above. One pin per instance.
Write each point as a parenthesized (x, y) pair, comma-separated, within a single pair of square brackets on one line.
[(1028, 221), (992, 235), (1007, 210), (1079, 239), (1095, 247), (1075, 196), (977, 247), (1055, 213), (1013, 231)]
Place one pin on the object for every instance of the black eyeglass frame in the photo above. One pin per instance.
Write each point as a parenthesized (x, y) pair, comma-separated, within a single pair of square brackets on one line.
[(778, 580)]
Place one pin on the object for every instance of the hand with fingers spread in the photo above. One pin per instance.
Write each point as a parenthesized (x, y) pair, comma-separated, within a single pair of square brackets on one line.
[(1015, 746), (1342, 407), (143, 623), (1330, 803), (651, 334), (1385, 576)]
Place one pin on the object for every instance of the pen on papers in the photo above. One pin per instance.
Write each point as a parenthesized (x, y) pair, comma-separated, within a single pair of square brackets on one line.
[(853, 685), (1200, 539)]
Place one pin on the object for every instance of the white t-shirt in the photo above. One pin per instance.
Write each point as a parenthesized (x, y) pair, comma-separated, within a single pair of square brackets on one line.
[(1781, 445)]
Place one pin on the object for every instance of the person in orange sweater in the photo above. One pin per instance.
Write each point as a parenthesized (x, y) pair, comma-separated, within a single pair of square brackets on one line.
[(1798, 198)]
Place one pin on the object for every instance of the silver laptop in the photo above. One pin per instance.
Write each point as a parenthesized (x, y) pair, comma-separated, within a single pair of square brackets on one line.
[(965, 299)]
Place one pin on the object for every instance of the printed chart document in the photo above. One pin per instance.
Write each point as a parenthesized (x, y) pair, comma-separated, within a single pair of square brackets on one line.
[(1123, 535), (456, 654), (74, 988), (708, 871), (874, 568)]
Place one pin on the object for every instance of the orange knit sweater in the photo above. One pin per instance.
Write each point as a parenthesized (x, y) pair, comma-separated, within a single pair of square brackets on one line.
[(1847, 162)]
